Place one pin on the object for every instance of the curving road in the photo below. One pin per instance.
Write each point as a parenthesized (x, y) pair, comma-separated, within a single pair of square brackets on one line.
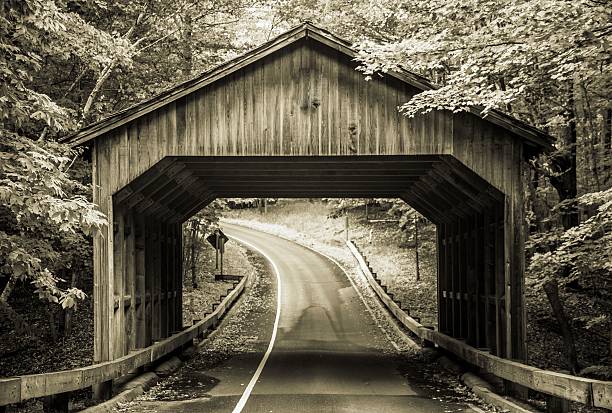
[(328, 354)]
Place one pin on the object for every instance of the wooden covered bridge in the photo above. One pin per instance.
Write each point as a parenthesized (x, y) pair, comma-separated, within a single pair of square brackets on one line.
[(294, 118)]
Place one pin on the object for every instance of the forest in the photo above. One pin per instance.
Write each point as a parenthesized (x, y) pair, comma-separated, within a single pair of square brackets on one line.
[(68, 63)]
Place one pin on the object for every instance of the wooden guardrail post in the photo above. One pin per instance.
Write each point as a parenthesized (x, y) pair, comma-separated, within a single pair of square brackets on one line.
[(346, 227), (57, 403), (424, 341), (103, 391), (556, 405)]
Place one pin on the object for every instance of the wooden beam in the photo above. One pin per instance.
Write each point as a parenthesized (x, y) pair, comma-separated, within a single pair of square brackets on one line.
[(142, 339)]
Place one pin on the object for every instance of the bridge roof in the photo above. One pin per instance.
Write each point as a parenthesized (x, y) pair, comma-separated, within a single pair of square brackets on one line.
[(533, 137)]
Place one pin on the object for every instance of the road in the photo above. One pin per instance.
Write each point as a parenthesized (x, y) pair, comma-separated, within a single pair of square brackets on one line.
[(327, 354)]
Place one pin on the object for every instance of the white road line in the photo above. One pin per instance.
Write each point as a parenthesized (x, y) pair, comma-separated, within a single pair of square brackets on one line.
[(247, 392)]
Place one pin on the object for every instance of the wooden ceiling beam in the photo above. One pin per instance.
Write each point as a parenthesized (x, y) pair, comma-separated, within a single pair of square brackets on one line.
[(193, 209), (421, 208), (472, 178)]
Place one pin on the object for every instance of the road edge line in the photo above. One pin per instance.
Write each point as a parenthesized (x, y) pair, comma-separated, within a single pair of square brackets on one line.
[(249, 389)]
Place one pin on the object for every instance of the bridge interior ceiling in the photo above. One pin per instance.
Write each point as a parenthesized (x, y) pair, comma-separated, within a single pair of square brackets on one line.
[(438, 186)]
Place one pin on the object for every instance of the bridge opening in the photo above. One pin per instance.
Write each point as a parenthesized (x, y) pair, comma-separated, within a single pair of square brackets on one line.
[(468, 213)]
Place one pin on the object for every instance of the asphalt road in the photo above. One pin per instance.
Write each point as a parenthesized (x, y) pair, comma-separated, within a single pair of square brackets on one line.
[(327, 355)]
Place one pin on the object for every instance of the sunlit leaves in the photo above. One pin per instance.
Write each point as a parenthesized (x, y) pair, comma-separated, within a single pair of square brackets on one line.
[(582, 251), (495, 53), (39, 195)]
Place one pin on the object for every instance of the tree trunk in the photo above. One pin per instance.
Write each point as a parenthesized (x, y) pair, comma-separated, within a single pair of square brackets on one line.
[(551, 287), (108, 69), (187, 52), (563, 164), (6, 311), (69, 312), (532, 197), (53, 323), (607, 147)]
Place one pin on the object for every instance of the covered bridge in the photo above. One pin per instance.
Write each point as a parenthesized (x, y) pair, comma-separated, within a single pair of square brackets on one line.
[(293, 118)]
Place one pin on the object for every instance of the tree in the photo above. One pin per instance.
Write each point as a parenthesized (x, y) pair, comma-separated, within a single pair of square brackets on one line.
[(39, 201), (44, 210), (195, 230), (583, 259)]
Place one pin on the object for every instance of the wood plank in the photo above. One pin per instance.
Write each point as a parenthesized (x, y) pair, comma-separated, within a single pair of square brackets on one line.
[(191, 124), (130, 281), (602, 394), (142, 331), (118, 274), (519, 313), (441, 276), (568, 387), (10, 390)]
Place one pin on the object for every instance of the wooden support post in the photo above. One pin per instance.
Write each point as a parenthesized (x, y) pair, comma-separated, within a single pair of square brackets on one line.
[(156, 275), (171, 287), (118, 309), (455, 282), (461, 294), (103, 263), (489, 282), (181, 281), (441, 277), (222, 248), (216, 250), (448, 251), (130, 282), (471, 283), (163, 290), (479, 276), (143, 334), (500, 290)]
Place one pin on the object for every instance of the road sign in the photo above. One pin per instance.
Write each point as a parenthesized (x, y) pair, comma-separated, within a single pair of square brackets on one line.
[(217, 239)]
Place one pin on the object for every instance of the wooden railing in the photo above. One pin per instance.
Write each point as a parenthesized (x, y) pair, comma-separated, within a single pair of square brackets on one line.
[(21, 388), (590, 392)]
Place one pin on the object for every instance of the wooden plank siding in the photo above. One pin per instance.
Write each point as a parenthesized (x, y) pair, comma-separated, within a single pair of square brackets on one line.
[(306, 100)]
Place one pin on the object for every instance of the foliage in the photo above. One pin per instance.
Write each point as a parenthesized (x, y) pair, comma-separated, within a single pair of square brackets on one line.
[(493, 53), (195, 230), (46, 214), (581, 252), (40, 203)]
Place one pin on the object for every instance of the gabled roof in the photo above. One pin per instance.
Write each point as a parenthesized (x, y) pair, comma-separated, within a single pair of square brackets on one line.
[(533, 136)]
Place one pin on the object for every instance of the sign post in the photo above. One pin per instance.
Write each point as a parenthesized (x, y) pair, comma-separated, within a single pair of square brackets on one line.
[(218, 240)]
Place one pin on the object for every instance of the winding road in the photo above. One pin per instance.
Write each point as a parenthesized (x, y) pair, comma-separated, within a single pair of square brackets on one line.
[(323, 353)]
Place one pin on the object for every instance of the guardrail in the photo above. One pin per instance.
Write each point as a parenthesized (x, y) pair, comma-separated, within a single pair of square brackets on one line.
[(596, 393), (20, 388)]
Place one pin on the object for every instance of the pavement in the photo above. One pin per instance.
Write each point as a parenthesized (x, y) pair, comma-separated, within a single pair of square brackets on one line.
[(323, 353)]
